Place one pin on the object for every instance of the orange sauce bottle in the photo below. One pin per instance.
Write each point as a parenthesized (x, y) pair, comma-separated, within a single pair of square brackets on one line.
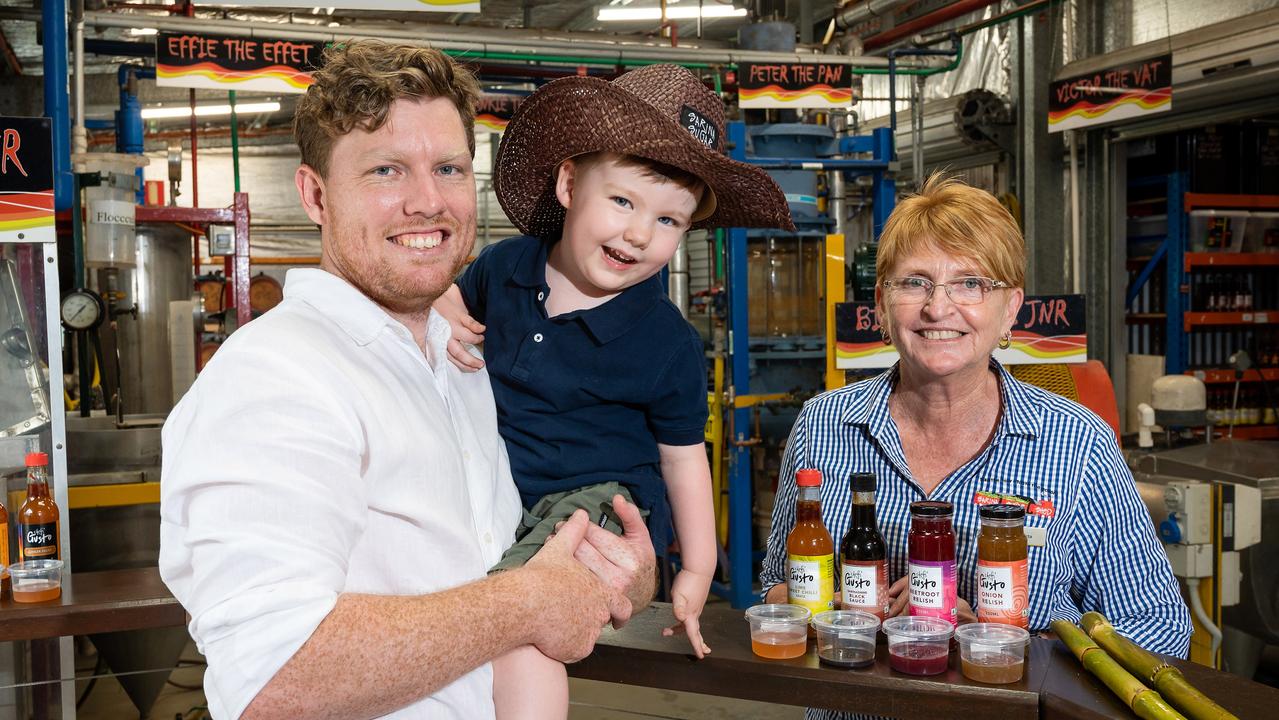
[(1003, 588), (810, 552), (38, 520)]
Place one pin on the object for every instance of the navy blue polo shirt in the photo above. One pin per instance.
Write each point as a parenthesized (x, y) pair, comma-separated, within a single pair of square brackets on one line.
[(585, 397)]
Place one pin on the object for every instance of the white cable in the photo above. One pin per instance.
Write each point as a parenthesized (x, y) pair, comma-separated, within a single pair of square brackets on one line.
[(1197, 607)]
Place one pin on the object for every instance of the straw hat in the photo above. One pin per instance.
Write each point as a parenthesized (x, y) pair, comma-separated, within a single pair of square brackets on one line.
[(659, 112)]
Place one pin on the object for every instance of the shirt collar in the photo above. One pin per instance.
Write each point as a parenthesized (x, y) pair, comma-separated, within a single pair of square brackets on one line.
[(531, 272), (606, 322), (354, 312), (1021, 416)]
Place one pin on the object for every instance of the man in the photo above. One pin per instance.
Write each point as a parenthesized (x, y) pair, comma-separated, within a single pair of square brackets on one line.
[(333, 488)]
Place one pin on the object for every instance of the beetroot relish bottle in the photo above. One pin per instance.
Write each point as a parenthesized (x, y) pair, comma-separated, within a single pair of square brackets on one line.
[(932, 561)]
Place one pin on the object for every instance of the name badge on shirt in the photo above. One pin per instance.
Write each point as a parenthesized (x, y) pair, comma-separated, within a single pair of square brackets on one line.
[(1035, 536)]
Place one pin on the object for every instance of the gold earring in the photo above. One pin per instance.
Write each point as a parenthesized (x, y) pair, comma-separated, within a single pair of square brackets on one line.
[(1006, 340), (885, 337)]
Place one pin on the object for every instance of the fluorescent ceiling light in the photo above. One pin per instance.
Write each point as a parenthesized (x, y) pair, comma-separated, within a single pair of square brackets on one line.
[(206, 110), (142, 31), (683, 12)]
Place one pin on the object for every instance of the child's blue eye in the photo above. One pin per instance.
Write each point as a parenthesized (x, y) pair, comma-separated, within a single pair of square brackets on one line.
[(668, 220), (621, 201)]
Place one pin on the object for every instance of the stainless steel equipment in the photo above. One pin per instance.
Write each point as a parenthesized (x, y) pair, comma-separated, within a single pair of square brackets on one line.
[(1251, 465)]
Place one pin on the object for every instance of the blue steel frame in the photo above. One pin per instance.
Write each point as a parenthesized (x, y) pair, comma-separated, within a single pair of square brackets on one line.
[(741, 555), (57, 99), (1171, 252)]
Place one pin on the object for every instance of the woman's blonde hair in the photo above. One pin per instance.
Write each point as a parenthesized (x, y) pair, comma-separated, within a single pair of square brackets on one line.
[(359, 81), (959, 219)]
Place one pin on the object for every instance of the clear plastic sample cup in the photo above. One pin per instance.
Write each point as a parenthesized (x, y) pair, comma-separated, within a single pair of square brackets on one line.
[(918, 645), (992, 653), (779, 631), (846, 638), (36, 580)]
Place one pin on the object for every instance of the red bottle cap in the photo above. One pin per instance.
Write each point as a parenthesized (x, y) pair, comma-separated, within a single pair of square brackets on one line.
[(37, 458), (808, 478)]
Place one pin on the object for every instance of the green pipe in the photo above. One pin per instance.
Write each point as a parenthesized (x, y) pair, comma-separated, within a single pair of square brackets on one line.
[(527, 57), (959, 56), (235, 141)]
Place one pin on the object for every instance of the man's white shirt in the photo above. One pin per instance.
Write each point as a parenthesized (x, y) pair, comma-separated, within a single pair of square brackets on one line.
[(320, 452)]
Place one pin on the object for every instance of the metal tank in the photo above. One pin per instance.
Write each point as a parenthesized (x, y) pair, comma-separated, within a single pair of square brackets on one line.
[(139, 298)]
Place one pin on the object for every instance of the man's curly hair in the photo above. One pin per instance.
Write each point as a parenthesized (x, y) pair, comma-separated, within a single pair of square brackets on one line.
[(359, 81)]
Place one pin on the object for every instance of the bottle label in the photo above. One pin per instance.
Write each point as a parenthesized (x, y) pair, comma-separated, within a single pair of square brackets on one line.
[(39, 542), (4, 544), (932, 589), (811, 582), (1003, 592), (865, 587)]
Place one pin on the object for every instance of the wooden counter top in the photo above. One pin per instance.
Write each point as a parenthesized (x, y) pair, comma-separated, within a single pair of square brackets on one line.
[(95, 602), (1054, 686)]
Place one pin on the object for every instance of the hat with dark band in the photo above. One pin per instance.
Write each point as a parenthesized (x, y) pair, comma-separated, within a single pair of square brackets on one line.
[(659, 112)]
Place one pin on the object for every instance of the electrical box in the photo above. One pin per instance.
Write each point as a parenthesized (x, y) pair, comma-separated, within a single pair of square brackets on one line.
[(221, 240), (1231, 578), (1189, 503), (1190, 561), (1240, 516)]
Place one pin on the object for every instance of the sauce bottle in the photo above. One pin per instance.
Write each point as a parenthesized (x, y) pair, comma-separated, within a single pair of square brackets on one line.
[(863, 557), (1003, 588), (810, 552), (38, 519), (932, 561)]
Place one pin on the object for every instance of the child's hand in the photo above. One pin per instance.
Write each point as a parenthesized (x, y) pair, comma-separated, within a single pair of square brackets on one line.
[(466, 329), (688, 596)]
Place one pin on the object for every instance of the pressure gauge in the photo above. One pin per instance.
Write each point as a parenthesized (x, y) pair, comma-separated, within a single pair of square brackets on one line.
[(82, 310)]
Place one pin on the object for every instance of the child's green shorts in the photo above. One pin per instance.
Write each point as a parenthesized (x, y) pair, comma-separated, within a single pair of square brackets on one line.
[(539, 522)]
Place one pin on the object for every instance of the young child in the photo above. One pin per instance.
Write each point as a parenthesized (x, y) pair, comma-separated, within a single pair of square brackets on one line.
[(600, 384)]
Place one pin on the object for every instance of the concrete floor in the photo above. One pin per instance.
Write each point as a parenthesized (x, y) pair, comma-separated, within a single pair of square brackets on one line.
[(589, 700)]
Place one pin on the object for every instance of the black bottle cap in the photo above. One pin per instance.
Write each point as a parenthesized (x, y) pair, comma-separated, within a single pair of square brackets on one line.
[(862, 482), (932, 508), (1002, 512)]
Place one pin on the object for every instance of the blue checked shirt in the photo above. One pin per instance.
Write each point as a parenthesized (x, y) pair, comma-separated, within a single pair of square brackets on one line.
[(1101, 551)]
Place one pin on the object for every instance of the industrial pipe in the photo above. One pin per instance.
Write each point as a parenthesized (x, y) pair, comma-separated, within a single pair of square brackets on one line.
[(864, 11), (919, 24), (129, 136), (53, 13), (474, 45), (79, 135)]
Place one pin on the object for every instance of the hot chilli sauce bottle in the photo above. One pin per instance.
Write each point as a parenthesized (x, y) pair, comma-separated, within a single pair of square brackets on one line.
[(1003, 588), (932, 561), (810, 552), (38, 518), (863, 557)]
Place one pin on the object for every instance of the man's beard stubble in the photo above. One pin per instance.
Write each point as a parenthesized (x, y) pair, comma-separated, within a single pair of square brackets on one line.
[(382, 285)]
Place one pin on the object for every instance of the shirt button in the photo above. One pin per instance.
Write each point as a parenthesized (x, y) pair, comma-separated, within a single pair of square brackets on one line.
[(537, 337), (466, 455), (541, 295), (488, 538)]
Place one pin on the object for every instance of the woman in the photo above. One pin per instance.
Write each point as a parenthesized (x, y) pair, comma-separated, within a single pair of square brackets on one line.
[(948, 421)]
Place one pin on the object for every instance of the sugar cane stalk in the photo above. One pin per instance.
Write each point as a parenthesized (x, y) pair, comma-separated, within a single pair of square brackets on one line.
[(1156, 673), (1142, 700)]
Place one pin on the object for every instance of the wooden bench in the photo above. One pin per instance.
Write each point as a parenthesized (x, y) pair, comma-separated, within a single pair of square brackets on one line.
[(1054, 687)]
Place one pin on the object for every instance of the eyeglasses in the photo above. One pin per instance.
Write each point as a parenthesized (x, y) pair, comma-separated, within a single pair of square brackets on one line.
[(912, 290)]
